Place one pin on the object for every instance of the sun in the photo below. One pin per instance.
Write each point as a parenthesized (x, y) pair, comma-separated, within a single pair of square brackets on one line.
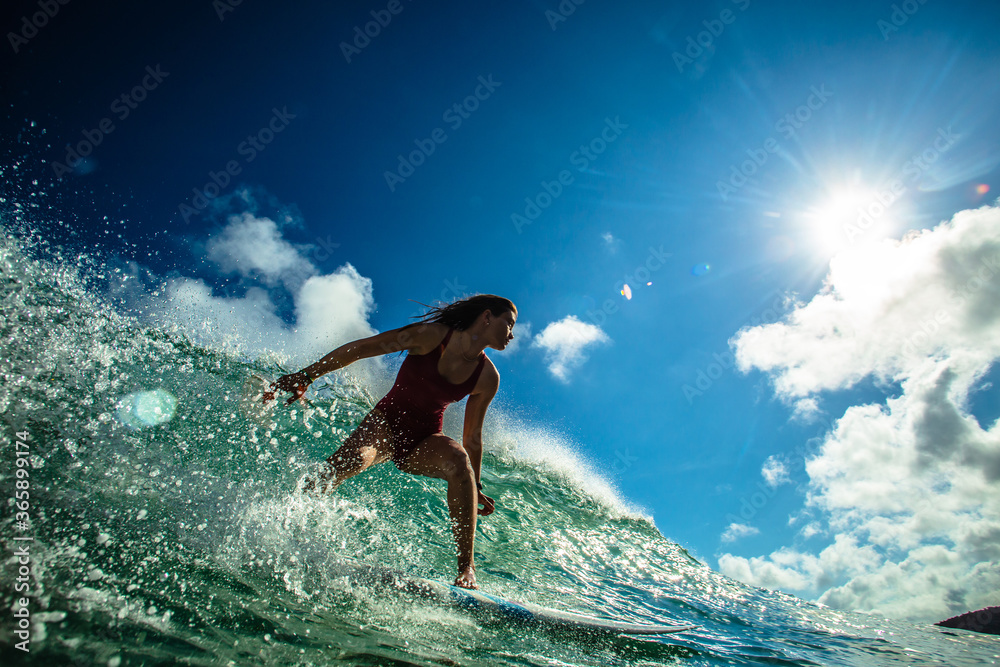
[(848, 218)]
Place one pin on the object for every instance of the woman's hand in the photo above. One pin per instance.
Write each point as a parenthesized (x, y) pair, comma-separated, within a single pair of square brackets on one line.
[(296, 383), (488, 504)]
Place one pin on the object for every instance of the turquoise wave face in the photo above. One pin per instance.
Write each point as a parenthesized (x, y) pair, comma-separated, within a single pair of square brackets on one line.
[(163, 526)]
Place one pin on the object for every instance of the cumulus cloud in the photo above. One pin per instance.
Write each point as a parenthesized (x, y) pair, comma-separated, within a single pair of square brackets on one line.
[(328, 310), (806, 409), (254, 247), (737, 530), (334, 307), (775, 471), (565, 342), (911, 486), (885, 308), (793, 570)]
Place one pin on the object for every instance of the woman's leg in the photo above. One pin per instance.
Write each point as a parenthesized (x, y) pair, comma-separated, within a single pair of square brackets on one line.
[(441, 457), (368, 445)]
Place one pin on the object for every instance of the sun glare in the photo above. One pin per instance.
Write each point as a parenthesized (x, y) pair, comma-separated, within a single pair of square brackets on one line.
[(849, 218)]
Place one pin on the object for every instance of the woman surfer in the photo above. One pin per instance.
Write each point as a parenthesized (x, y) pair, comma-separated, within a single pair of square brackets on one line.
[(445, 362)]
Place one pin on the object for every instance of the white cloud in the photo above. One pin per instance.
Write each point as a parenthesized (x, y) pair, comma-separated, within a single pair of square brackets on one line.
[(775, 471), (792, 570), (329, 309), (806, 409), (811, 529), (252, 246), (911, 487), (736, 531), (564, 343), (332, 308), (886, 307)]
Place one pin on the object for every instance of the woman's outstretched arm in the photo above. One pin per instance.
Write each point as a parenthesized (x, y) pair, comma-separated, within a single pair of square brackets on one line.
[(418, 338)]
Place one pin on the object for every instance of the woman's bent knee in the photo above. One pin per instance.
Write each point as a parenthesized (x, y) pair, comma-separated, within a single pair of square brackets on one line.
[(457, 463)]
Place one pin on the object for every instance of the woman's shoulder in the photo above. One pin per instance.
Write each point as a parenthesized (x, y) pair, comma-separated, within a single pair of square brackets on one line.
[(489, 377), (424, 336)]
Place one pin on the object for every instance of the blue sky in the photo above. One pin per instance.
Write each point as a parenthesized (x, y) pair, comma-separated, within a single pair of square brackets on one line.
[(720, 152)]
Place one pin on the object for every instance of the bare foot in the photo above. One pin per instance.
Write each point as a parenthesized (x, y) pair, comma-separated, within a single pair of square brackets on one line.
[(467, 578)]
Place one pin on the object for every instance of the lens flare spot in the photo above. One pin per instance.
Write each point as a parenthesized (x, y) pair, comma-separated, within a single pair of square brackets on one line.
[(982, 189), (146, 408), (627, 292), (700, 269)]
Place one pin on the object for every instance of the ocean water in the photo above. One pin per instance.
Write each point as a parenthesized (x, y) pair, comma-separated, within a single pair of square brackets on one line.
[(163, 526)]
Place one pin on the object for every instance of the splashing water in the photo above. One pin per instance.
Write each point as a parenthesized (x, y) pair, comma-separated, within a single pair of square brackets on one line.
[(166, 528)]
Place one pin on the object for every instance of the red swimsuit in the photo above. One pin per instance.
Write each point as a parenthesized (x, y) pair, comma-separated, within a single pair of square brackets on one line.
[(414, 407)]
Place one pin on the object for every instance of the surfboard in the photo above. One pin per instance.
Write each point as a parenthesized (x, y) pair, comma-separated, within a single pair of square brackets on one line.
[(483, 604), (526, 612)]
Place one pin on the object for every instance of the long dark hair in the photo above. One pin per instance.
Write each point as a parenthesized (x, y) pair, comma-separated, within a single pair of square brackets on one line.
[(462, 313)]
